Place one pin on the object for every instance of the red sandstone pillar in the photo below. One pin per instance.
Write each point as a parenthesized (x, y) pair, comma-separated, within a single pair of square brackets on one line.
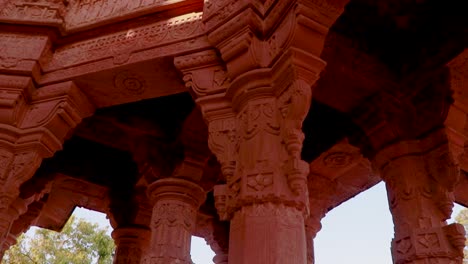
[(176, 203), (420, 177), (254, 99), (131, 244)]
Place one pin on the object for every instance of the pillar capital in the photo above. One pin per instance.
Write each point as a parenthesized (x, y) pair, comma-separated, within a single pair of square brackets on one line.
[(252, 34), (177, 190)]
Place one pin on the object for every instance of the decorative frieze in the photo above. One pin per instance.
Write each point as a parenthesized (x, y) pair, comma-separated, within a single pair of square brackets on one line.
[(82, 14), (121, 45)]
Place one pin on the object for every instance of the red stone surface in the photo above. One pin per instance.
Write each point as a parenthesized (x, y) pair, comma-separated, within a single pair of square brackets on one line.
[(243, 122)]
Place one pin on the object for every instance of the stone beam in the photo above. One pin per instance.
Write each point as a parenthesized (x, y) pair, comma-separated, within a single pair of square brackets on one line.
[(67, 193), (83, 15), (160, 39)]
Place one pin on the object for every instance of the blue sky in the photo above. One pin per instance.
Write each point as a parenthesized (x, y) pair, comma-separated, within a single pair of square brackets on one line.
[(358, 231)]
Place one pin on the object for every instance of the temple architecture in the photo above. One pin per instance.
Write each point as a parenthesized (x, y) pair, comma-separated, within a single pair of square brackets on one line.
[(240, 121)]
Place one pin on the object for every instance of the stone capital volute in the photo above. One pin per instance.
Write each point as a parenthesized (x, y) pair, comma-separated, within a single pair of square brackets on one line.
[(176, 189), (204, 73)]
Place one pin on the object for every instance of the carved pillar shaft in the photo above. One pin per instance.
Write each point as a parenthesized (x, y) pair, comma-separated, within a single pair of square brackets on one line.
[(254, 99), (176, 203), (131, 244), (420, 177)]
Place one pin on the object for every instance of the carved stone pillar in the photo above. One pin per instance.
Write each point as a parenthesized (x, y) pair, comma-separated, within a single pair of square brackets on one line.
[(420, 176), (254, 99), (176, 203), (131, 244)]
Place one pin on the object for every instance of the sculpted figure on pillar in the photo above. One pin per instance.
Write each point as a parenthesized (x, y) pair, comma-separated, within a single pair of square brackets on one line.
[(420, 176), (254, 98)]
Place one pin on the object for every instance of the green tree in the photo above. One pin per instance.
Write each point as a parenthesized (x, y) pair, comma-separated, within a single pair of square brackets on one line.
[(462, 218), (80, 242)]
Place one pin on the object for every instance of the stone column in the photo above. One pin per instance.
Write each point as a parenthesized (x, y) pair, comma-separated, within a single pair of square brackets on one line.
[(254, 98), (420, 176), (131, 244), (176, 203)]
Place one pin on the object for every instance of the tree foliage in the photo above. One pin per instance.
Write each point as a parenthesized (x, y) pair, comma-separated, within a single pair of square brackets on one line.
[(80, 242), (462, 218)]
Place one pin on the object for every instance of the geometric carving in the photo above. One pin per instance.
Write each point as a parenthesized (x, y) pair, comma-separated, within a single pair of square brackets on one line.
[(403, 246)]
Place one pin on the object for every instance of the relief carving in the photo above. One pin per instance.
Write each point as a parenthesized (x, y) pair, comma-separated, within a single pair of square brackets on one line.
[(42, 11), (121, 45), (84, 13), (129, 82)]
